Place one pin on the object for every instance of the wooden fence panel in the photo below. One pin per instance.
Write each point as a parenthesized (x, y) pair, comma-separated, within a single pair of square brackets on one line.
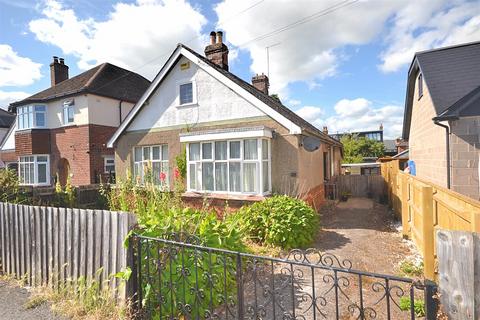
[(424, 206), (48, 245), (361, 186)]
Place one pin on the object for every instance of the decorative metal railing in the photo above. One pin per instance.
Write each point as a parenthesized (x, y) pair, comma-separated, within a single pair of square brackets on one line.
[(178, 278)]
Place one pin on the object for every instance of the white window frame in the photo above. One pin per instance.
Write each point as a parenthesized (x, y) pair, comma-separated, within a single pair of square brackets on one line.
[(194, 92), (67, 105), (150, 161), (35, 163), (30, 114), (259, 167), (105, 163)]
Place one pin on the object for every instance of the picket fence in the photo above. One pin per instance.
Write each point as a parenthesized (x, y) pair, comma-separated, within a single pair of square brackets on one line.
[(48, 246)]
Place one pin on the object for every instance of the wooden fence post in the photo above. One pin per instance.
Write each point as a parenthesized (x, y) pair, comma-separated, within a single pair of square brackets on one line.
[(475, 221), (404, 205), (428, 232)]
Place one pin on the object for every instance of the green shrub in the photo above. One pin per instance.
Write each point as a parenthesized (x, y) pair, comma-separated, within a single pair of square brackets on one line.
[(280, 221), (410, 268), (418, 306)]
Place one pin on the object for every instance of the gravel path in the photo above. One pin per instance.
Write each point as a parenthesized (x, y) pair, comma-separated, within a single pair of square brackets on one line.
[(12, 304)]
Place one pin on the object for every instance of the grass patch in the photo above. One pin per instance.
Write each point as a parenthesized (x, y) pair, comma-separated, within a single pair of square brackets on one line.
[(411, 268), (418, 306), (80, 300)]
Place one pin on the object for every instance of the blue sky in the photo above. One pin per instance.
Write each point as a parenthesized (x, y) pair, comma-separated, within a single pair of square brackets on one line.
[(340, 63)]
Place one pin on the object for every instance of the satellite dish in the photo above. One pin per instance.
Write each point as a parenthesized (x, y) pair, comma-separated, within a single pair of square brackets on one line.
[(311, 143)]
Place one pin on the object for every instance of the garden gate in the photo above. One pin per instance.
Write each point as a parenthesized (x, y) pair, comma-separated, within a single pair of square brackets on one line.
[(178, 278)]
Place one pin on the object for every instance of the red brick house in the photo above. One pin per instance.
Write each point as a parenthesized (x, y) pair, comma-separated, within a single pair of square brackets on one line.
[(63, 130)]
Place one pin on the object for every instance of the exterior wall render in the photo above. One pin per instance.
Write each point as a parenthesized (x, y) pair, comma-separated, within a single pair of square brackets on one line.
[(294, 170)]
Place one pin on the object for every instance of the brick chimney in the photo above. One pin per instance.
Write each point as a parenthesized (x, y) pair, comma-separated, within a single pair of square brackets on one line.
[(325, 129), (217, 51), (58, 71), (261, 83)]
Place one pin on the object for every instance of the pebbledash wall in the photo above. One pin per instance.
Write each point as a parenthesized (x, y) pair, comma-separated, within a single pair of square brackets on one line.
[(82, 144), (465, 153), (294, 170)]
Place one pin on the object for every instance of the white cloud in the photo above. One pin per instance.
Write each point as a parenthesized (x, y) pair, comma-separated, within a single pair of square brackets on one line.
[(133, 34), (294, 102), (438, 23), (312, 114), (7, 97), (307, 52), (357, 115), (16, 70)]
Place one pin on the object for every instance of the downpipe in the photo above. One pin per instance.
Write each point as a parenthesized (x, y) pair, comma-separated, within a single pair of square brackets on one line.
[(447, 140)]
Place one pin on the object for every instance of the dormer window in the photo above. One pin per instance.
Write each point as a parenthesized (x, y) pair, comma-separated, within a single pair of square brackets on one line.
[(420, 86), (186, 93), (68, 112), (31, 117)]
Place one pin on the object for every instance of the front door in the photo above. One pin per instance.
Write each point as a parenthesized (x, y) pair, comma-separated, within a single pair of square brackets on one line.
[(63, 171)]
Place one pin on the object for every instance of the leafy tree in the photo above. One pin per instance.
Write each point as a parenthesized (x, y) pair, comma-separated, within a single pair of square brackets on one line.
[(356, 148)]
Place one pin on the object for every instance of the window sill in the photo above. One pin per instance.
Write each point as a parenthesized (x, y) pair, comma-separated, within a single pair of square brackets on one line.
[(224, 196), (187, 105), (68, 125)]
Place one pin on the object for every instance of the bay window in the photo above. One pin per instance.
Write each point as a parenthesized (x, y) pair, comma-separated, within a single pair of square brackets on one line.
[(150, 164), (31, 117), (229, 166), (34, 170)]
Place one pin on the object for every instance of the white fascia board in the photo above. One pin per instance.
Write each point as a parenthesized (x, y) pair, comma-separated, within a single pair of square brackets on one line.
[(262, 133), (123, 126), (292, 127)]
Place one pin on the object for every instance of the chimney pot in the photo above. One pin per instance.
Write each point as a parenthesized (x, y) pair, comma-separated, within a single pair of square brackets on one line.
[(217, 51), (219, 37), (58, 71), (325, 129), (213, 36), (261, 82)]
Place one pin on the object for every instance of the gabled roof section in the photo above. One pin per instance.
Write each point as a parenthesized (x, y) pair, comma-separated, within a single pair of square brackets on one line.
[(11, 131), (267, 104), (105, 80), (6, 118), (467, 106), (449, 74)]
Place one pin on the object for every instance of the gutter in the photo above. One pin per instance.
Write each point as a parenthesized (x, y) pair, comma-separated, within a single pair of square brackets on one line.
[(436, 121)]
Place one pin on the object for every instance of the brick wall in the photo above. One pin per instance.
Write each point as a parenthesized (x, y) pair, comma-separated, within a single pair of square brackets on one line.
[(465, 153), (99, 136), (427, 140), (83, 147), (34, 141), (8, 156)]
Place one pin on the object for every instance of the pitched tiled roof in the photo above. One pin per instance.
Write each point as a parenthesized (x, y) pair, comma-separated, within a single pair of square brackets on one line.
[(105, 80), (271, 102), (6, 119), (450, 73)]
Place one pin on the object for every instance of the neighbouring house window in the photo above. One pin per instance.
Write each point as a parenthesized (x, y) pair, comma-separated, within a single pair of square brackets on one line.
[(109, 164), (151, 164), (420, 86), (186, 93), (68, 112), (233, 166), (31, 117), (34, 170)]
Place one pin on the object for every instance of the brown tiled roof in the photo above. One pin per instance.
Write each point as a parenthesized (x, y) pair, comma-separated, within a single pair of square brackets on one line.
[(105, 80), (271, 102)]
